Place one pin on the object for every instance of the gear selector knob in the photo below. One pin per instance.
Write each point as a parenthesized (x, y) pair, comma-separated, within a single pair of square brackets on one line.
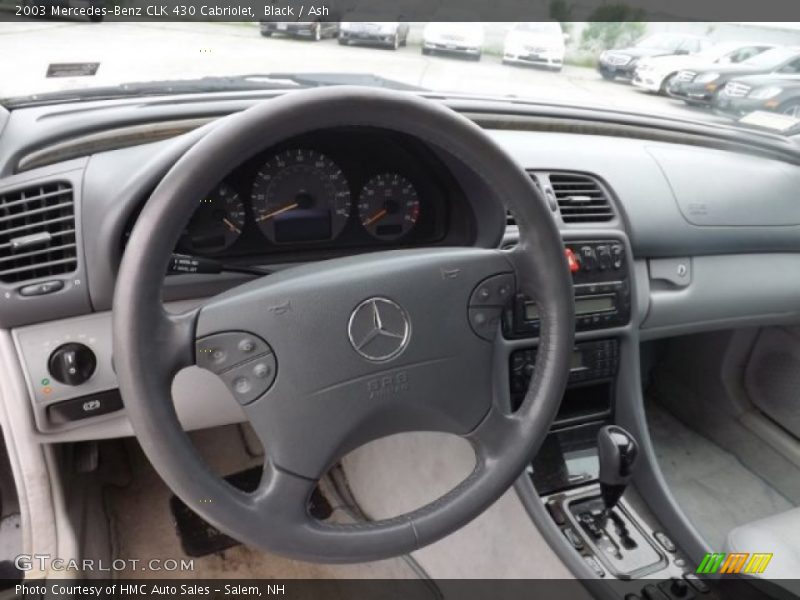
[(617, 452)]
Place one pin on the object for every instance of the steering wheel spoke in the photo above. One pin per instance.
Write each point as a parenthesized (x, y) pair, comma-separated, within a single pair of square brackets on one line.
[(176, 346), (490, 437)]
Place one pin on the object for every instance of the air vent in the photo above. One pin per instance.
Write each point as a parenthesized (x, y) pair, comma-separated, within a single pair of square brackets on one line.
[(580, 198), (37, 232)]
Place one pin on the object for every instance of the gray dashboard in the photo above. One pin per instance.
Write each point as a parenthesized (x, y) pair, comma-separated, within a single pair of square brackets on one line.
[(714, 234)]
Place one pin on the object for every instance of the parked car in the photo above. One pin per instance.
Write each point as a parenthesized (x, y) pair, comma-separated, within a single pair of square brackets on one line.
[(623, 62), (744, 95), (315, 30), (540, 43), (383, 33), (654, 74), (453, 38), (701, 86)]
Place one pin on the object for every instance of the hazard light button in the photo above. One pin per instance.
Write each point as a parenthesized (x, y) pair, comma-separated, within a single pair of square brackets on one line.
[(572, 261)]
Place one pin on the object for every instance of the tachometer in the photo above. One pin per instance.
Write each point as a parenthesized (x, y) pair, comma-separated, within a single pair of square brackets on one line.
[(216, 224), (388, 206), (301, 196)]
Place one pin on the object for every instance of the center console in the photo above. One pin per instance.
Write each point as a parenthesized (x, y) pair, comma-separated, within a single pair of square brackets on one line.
[(619, 540)]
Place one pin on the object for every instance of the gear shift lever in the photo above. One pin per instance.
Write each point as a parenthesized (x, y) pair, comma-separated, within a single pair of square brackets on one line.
[(617, 452)]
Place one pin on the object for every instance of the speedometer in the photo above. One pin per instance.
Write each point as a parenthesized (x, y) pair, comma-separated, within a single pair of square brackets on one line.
[(301, 195)]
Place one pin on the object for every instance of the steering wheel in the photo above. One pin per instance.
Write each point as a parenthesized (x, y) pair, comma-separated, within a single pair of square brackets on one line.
[(328, 356)]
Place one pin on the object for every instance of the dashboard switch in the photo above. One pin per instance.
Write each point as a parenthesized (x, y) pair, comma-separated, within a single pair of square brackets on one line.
[(604, 258), (85, 407), (588, 258), (72, 364), (572, 261), (617, 256), (40, 289)]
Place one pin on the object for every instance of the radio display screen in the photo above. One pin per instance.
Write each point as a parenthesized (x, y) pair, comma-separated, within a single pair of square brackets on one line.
[(577, 360), (583, 306), (594, 304)]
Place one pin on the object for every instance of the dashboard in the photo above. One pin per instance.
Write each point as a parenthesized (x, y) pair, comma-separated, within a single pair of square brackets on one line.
[(672, 209), (333, 191)]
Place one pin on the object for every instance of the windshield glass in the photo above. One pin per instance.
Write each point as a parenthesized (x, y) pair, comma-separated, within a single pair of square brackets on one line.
[(662, 41), (771, 58), (558, 62), (538, 27)]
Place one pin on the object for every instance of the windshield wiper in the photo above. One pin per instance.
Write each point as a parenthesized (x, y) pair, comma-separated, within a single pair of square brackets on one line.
[(238, 83)]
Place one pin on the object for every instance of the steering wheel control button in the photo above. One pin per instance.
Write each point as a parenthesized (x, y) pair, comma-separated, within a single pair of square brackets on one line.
[(494, 291), (486, 304), (241, 385), (247, 346), (485, 322), (85, 407), (72, 364), (251, 379), (221, 351)]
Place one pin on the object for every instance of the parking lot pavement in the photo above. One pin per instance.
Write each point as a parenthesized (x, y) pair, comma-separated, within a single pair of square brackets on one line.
[(147, 51)]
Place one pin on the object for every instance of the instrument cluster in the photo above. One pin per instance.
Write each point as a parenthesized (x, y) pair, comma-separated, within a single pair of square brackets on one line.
[(321, 192)]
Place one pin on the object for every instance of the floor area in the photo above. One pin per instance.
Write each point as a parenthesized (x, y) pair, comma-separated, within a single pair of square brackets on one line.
[(714, 489), (143, 527)]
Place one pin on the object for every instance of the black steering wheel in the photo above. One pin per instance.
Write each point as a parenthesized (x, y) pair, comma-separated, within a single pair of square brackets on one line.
[(328, 356)]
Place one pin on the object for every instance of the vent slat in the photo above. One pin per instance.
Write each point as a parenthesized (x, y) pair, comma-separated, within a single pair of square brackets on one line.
[(23, 200), (61, 234), (37, 232), (36, 211), (28, 228), (580, 198), (65, 247), (38, 266)]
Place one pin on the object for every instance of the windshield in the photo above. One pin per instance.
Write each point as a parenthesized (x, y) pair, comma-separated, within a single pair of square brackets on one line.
[(716, 52), (59, 60), (661, 42), (550, 28), (771, 58)]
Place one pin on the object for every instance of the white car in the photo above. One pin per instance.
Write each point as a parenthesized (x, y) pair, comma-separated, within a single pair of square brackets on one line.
[(453, 38), (540, 43), (654, 74), (392, 34)]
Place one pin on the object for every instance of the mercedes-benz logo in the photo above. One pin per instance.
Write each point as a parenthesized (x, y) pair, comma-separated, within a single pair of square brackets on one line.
[(379, 329)]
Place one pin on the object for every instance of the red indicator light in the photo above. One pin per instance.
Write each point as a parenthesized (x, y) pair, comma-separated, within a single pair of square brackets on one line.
[(572, 261)]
